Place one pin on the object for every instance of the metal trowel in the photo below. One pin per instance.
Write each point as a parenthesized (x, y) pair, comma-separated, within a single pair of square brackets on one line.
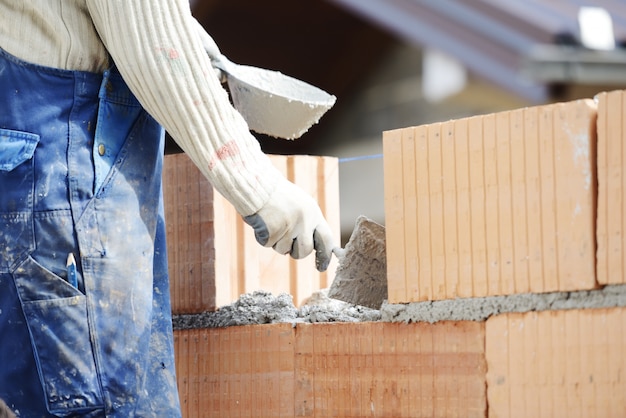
[(271, 103), (361, 276)]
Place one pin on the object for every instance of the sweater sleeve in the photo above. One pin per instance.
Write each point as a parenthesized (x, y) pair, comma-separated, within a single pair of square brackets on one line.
[(157, 48)]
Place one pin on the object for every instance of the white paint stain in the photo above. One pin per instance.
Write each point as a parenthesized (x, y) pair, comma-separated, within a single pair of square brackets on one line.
[(132, 304)]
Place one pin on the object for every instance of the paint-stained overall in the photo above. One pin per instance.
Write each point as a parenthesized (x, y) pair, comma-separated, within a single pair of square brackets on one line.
[(80, 173)]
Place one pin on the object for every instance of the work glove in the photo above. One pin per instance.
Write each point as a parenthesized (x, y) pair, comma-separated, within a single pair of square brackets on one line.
[(291, 222)]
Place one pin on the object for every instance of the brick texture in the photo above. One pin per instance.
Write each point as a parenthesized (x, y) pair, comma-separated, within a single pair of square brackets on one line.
[(236, 372), (190, 228), (611, 229), (557, 364), (492, 205), (340, 369)]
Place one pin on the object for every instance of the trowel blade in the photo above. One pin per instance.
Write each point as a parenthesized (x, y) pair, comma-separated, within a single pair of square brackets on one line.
[(361, 276)]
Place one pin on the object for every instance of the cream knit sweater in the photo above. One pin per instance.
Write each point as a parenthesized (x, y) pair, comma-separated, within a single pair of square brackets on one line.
[(157, 49)]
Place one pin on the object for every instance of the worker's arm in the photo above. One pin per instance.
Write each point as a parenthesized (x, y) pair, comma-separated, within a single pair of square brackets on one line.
[(157, 49)]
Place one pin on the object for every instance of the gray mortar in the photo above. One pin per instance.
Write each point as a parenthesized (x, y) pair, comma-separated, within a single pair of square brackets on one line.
[(479, 309), (264, 308)]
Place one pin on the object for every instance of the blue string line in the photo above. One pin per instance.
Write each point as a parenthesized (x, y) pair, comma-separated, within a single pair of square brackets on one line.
[(363, 157)]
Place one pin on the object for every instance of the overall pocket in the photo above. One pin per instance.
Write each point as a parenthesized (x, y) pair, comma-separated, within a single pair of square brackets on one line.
[(16, 188), (15, 148), (56, 315)]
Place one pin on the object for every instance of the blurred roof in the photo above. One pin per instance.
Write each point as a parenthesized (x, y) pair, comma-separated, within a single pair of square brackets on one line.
[(490, 37), (337, 44)]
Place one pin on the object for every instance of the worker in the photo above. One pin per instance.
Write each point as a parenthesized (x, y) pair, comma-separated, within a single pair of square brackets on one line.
[(87, 88)]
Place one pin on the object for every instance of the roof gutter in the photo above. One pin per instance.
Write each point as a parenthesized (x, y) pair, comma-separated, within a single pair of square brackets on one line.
[(576, 65)]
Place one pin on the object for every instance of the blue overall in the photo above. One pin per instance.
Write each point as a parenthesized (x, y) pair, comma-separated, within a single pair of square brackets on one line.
[(80, 173)]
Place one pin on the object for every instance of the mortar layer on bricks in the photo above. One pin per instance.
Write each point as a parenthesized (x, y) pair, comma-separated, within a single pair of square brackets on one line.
[(264, 308)]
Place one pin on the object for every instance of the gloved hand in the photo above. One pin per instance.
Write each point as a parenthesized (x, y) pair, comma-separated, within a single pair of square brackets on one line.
[(292, 223)]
